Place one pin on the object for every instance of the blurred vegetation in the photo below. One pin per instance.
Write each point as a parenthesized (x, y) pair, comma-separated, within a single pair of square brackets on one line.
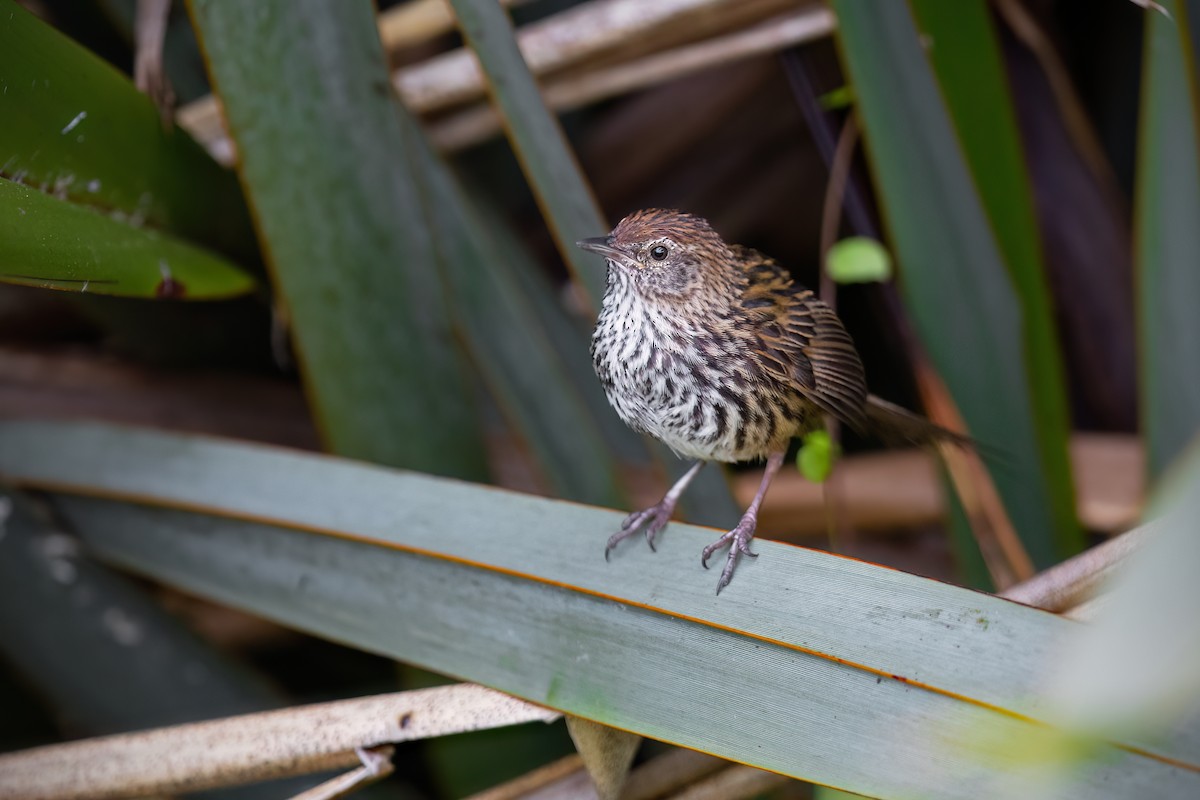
[(367, 250)]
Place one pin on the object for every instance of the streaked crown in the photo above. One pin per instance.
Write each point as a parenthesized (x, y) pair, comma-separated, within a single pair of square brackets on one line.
[(663, 252)]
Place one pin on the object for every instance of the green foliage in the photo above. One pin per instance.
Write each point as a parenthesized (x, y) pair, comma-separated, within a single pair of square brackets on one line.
[(817, 455), (567, 203), (510, 341), (1168, 239), (965, 55), (858, 259), (407, 299), (76, 127), (57, 245), (345, 229), (532, 608), (956, 282)]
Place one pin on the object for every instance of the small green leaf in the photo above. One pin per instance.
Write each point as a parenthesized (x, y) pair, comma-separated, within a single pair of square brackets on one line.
[(858, 259), (817, 456), (839, 98)]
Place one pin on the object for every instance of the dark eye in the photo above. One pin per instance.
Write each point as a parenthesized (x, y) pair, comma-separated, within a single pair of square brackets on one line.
[(658, 252)]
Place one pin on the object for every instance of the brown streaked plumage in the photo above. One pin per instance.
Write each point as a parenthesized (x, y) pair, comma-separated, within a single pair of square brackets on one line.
[(714, 350)]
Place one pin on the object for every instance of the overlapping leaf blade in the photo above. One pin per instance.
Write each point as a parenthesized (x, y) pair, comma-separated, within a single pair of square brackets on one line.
[(154, 670), (566, 200), (965, 55), (855, 676), (306, 95), (509, 346), (1168, 239), (954, 279), (157, 672)]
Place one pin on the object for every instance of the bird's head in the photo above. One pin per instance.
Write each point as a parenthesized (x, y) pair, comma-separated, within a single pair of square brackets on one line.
[(664, 254)]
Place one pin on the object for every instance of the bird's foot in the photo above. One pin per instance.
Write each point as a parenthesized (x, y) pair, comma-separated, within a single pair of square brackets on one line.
[(738, 540), (652, 519)]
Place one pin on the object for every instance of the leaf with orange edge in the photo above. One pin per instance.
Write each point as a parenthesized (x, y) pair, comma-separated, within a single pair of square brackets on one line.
[(812, 665)]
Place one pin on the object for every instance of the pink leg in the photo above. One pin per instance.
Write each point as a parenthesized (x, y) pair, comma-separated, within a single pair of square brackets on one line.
[(739, 538), (657, 515)]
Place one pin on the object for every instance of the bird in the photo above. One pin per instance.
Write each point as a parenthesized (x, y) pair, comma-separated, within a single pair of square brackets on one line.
[(714, 350)]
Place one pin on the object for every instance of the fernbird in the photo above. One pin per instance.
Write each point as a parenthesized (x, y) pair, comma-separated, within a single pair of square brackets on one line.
[(715, 351)]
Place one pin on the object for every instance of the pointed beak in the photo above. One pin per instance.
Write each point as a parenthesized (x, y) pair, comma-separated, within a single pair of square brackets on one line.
[(600, 246)]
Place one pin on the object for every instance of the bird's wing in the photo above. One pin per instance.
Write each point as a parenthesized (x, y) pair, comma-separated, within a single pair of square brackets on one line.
[(802, 341)]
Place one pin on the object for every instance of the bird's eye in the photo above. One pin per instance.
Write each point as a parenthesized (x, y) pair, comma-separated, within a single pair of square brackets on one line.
[(658, 252)]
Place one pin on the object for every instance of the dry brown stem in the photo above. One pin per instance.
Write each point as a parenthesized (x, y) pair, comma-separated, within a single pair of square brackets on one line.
[(900, 489), (479, 122), (1074, 582), (628, 30), (237, 750)]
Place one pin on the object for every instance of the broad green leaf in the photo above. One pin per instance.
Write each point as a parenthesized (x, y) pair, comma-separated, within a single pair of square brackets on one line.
[(955, 281), (562, 191), (56, 245), (1168, 239), (820, 667), (306, 95), (857, 259), (965, 54), (77, 128)]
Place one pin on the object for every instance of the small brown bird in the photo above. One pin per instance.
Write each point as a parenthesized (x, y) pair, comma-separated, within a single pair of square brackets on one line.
[(714, 350)]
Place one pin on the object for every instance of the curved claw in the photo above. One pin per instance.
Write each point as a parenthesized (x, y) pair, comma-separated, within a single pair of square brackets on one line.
[(657, 515), (653, 519), (738, 540)]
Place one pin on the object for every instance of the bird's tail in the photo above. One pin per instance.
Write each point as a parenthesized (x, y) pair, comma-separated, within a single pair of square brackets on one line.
[(899, 426)]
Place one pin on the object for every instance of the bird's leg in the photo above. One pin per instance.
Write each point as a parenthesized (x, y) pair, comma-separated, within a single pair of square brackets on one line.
[(739, 538), (657, 515)]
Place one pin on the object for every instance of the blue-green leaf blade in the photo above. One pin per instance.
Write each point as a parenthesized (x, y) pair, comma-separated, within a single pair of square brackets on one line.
[(513, 591), (322, 154), (955, 280), (967, 60), (1168, 239)]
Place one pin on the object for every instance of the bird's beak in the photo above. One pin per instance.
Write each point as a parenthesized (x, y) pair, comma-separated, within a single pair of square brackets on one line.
[(600, 245)]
